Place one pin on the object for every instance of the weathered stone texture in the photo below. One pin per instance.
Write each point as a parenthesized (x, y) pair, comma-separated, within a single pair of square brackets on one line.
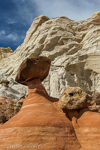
[(5, 52), (72, 46), (8, 108), (87, 129), (31, 68), (96, 98), (74, 98)]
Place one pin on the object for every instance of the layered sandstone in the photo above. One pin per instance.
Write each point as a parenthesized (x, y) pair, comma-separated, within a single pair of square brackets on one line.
[(85, 119), (72, 46), (5, 52), (87, 129), (39, 124)]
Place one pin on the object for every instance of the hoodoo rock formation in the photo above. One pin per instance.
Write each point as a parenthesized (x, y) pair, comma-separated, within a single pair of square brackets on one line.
[(72, 46), (39, 124)]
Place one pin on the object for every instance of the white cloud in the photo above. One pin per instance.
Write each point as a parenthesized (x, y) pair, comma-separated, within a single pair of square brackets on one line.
[(25, 10), (13, 37), (10, 21), (73, 9), (2, 32)]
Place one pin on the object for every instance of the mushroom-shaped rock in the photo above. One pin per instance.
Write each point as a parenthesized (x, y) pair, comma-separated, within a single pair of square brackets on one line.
[(5, 83), (31, 68), (96, 98), (74, 98)]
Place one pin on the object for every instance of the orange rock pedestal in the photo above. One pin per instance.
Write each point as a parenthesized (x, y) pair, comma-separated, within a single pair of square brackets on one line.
[(87, 129), (38, 125)]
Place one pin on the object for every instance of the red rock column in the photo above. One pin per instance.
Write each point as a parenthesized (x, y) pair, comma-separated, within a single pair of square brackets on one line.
[(38, 125)]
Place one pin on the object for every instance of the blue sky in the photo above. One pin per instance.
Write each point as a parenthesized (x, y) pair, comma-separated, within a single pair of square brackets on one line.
[(16, 16)]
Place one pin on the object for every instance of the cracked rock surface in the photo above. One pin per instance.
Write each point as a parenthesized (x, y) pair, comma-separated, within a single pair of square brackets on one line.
[(74, 98), (72, 46)]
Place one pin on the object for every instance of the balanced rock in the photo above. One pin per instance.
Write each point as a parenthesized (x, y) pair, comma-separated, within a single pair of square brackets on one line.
[(31, 68), (74, 98), (39, 124)]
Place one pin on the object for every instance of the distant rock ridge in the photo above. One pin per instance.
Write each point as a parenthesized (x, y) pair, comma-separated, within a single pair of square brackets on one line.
[(72, 46)]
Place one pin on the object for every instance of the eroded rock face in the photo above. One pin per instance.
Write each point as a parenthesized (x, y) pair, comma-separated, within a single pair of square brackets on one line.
[(72, 46), (8, 108), (95, 108), (96, 98), (7, 91), (39, 124), (74, 98), (5, 52), (31, 68), (87, 129)]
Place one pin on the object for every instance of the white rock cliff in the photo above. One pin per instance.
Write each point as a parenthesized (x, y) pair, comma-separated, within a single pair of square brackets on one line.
[(72, 46)]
